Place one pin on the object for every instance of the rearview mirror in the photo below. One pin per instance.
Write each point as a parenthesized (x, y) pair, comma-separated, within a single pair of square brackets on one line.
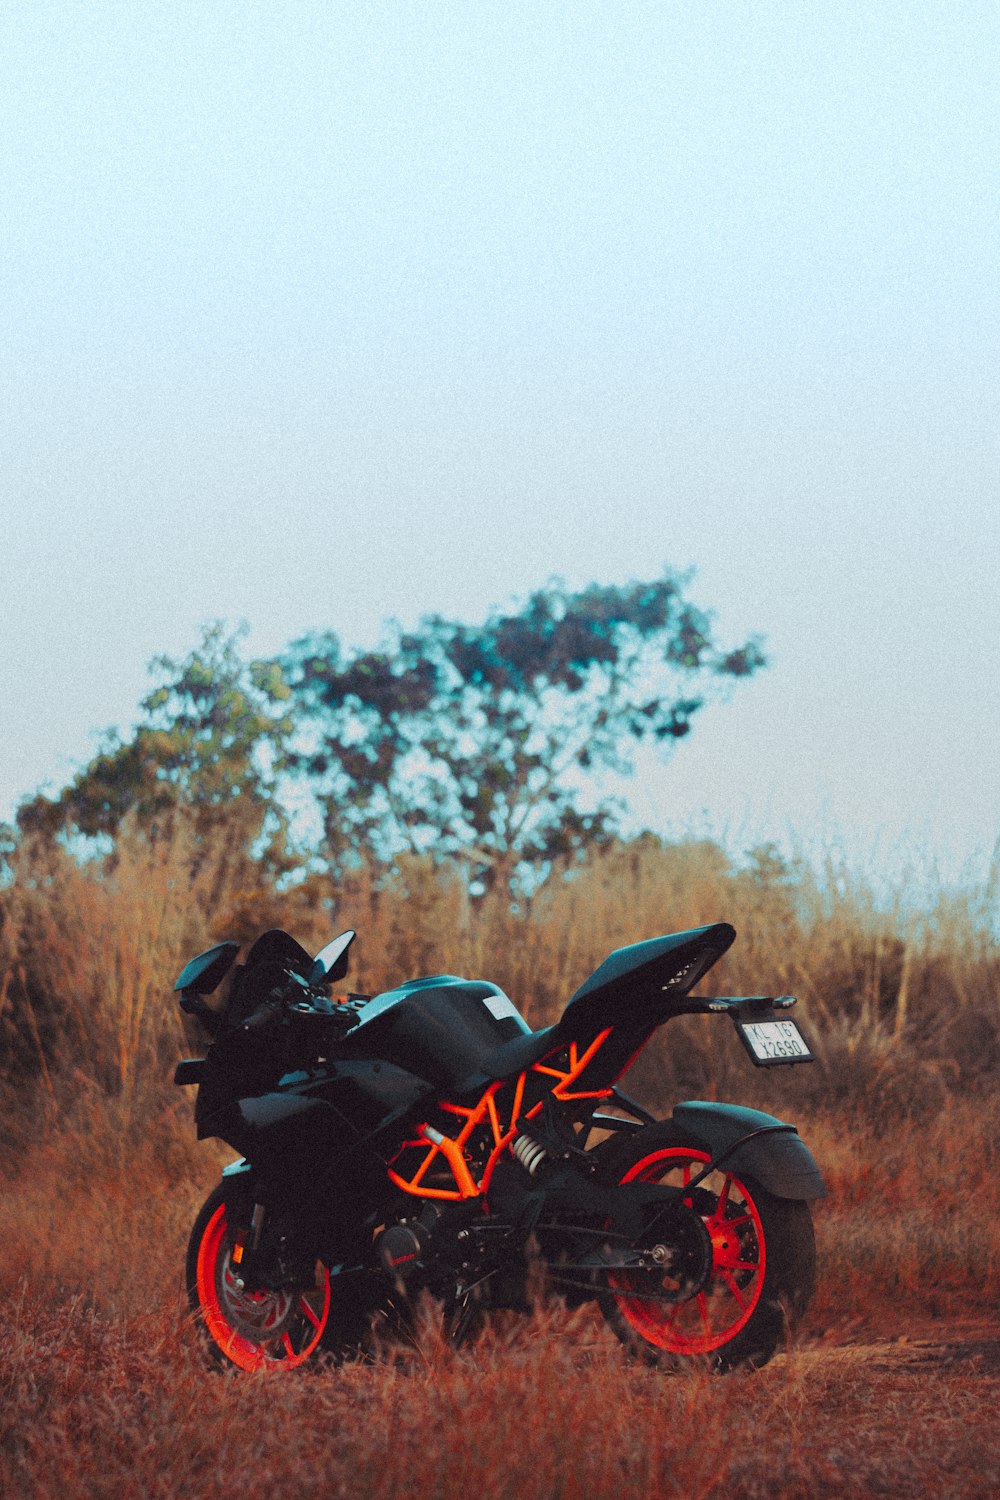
[(331, 962), (206, 972)]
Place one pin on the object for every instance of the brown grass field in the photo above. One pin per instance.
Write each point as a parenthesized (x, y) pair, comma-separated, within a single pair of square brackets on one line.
[(890, 1388)]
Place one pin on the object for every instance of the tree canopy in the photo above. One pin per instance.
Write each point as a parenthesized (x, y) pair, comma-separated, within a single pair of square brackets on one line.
[(478, 743), (484, 745), (209, 740)]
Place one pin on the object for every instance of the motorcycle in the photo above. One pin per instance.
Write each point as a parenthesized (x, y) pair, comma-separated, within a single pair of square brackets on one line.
[(425, 1141)]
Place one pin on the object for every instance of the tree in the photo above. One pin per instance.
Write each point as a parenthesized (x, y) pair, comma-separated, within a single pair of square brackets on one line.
[(484, 745), (476, 743), (210, 741)]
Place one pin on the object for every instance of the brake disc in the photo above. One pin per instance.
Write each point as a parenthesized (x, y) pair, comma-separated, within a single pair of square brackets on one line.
[(257, 1315)]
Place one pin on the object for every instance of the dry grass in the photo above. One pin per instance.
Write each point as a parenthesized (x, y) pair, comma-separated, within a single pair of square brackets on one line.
[(98, 1406), (103, 1390), (904, 1002)]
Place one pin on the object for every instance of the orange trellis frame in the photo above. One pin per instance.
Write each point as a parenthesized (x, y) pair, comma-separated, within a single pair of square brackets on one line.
[(437, 1146)]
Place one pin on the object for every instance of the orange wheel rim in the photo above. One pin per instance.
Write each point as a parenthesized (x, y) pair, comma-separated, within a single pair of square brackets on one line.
[(290, 1325), (715, 1314)]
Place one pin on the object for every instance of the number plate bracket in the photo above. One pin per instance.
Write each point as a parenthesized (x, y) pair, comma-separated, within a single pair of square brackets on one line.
[(773, 1041)]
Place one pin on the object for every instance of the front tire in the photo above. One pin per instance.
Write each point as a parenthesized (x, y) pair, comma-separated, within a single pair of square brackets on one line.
[(756, 1280), (251, 1330)]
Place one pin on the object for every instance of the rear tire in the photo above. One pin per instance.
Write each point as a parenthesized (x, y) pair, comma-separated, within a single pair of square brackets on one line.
[(760, 1270)]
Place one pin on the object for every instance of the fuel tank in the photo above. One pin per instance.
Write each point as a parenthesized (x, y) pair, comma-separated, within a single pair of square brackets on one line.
[(439, 1029)]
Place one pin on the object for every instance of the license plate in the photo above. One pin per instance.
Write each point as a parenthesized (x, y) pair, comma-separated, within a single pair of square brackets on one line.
[(771, 1043)]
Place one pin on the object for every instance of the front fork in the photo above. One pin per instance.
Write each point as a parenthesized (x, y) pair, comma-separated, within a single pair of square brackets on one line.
[(245, 1245), (247, 1219)]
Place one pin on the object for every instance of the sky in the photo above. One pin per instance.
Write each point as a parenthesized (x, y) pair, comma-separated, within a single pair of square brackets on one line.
[(316, 314)]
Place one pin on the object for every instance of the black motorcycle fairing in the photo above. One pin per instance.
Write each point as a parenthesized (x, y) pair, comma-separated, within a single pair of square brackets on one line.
[(631, 994), (296, 1226), (372, 1093), (278, 946), (662, 970), (440, 1029), (308, 1159), (265, 970), (366, 1093)]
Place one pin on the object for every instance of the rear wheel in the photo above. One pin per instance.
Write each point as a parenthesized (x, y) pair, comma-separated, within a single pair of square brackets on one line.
[(743, 1271), (253, 1330)]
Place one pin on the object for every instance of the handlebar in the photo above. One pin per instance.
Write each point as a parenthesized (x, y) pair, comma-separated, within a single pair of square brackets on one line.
[(288, 1001), (307, 1016), (265, 1015)]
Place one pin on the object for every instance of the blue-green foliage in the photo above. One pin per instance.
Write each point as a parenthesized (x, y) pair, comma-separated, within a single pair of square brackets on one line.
[(477, 744)]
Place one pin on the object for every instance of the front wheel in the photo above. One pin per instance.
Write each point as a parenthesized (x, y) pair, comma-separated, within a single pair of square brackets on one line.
[(253, 1330), (744, 1270)]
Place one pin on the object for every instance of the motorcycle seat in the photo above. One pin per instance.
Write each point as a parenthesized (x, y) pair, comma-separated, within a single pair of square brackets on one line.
[(511, 1058)]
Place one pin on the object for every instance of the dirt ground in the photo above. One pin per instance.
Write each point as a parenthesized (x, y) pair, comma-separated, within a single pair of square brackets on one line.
[(973, 1347)]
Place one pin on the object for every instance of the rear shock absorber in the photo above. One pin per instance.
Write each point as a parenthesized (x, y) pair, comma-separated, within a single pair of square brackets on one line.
[(529, 1152)]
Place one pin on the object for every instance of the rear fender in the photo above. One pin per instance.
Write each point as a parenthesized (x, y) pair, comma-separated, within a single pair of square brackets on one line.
[(755, 1145)]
